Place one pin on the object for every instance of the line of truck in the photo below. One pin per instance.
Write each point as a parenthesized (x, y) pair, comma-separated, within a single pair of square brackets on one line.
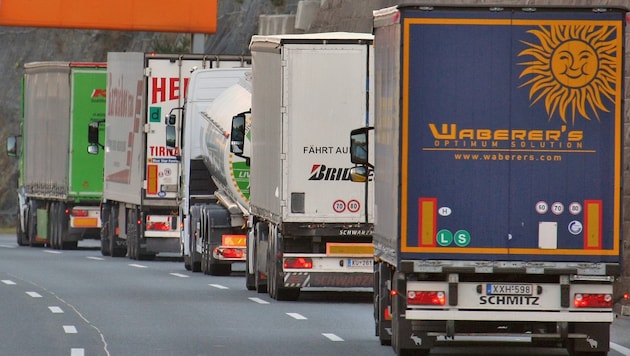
[(173, 186), (487, 142)]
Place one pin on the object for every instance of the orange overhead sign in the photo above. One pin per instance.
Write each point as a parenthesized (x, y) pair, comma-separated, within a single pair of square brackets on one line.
[(194, 16)]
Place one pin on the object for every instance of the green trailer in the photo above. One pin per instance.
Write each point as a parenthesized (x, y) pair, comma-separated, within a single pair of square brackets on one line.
[(60, 185)]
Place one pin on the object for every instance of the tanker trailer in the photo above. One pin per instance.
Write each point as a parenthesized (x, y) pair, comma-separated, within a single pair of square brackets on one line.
[(215, 182)]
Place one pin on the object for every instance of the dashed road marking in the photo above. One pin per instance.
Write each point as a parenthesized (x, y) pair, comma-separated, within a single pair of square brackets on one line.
[(297, 316), (53, 252), (137, 265), (258, 300), (34, 294), (621, 349), (332, 337), (8, 282), (179, 275), (56, 310), (8, 246), (77, 352), (69, 329), (95, 258), (218, 286)]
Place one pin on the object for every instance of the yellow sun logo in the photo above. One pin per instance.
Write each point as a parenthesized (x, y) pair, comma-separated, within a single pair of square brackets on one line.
[(573, 70)]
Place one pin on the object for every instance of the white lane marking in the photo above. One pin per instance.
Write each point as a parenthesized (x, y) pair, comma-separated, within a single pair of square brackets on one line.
[(8, 246), (69, 329), (77, 352), (218, 286), (104, 342), (56, 310), (34, 294), (258, 300), (8, 282), (332, 337), (53, 252), (297, 316), (621, 349), (179, 275), (95, 258), (137, 265)]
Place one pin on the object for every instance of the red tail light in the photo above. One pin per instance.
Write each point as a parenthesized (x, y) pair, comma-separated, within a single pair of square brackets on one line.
[(426, 298), (298, 262), (79, 213), (158, 226), (584, 300), (231, 253)]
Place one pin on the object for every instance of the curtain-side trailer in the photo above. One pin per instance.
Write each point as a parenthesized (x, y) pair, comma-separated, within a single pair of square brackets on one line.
[(60, 185)]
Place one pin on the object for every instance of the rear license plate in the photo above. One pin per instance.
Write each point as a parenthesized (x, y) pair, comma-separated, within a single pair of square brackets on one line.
[(509, 289), (360, 262)]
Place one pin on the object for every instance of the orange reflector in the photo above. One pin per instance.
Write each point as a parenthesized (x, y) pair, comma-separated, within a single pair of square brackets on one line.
[(233, 240), (427, 221), (592, 224), (152, 179), (85, 222), (349, 249)]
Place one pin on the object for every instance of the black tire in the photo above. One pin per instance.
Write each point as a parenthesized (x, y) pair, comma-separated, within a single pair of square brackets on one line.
[(116, 251), (32, 225), (195, 260), (62, 230), (53, 241), (250, 278), (20, 235), (260, 284), (105, 246), (132, 234)]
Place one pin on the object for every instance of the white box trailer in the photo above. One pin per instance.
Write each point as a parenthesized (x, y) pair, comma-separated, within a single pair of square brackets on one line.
[(141, 175), (311, 226)]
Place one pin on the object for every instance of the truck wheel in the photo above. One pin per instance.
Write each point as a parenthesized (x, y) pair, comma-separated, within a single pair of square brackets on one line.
[(32, 224), (382, 303), (105, 213), (62, 230), (194, 234), (52, 226), (250, 278), (21, 236), (261, 232), (115, 250)]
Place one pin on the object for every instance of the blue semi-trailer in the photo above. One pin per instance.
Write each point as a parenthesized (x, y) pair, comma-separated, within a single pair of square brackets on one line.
[(497, 166)]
